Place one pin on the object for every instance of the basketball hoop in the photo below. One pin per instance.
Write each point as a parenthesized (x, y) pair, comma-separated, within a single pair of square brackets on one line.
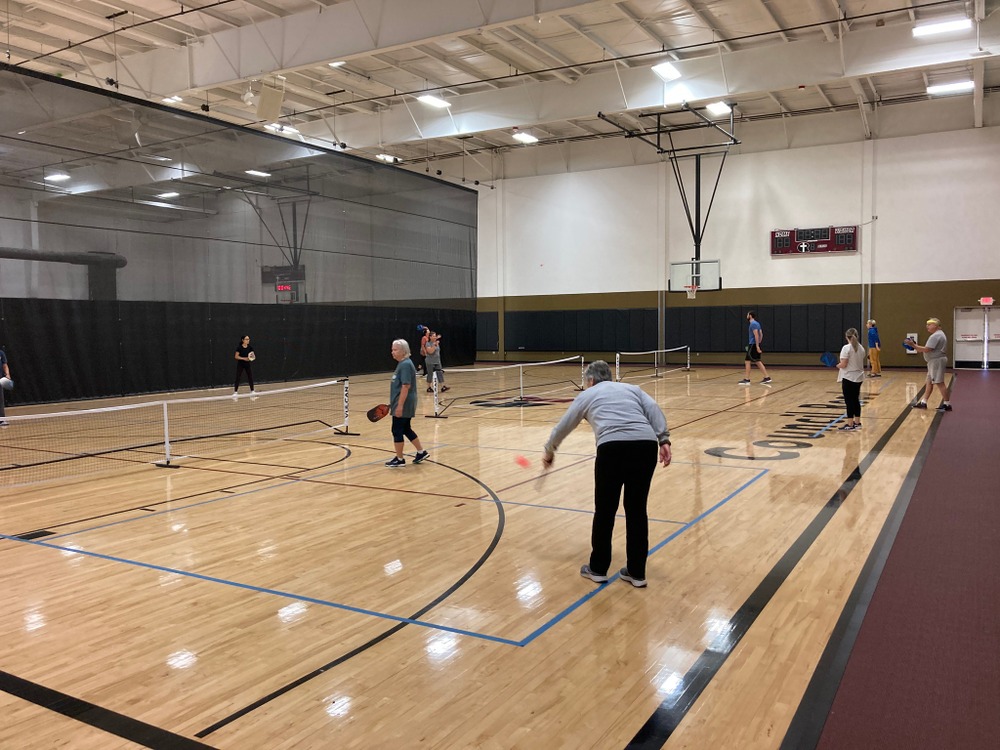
[(692, 291)]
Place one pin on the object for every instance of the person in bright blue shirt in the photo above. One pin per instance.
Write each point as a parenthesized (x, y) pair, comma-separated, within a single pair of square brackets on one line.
[(754, 353), (874, 350)]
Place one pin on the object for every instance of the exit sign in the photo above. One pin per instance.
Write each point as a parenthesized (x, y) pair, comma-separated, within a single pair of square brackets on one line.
[(985, 301)]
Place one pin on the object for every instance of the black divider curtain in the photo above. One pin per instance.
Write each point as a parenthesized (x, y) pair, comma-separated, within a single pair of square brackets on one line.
[(62, 350), (787, 328)]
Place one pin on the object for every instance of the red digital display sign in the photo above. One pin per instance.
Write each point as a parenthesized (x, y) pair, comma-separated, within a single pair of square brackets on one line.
[(282, 287), (816, 240)]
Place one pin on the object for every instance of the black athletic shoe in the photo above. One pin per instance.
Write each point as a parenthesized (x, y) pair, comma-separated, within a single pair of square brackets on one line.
[(395, 463), (420, 457), (766, 381), (920, 405), (944, 407)]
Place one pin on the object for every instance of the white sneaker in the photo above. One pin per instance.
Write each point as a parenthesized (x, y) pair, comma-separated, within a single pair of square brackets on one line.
[(235, 395)]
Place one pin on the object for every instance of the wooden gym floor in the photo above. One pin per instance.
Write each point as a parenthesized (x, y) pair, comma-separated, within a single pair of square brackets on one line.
[(296, 593)]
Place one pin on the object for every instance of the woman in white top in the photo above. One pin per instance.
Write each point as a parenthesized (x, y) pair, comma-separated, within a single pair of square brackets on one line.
[(850, 376)]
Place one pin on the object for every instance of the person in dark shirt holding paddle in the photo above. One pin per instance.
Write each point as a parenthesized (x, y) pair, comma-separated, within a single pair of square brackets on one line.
[(6, 384), (403, 404), (244, 356)]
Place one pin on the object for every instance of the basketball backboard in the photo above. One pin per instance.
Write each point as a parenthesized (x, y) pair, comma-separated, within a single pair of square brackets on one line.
[(705, 274)]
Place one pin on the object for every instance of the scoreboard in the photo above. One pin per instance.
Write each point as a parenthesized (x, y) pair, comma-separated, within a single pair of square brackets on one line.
[(816, 240)]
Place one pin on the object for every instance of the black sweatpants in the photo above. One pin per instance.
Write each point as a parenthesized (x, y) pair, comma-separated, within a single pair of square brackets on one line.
[(628, 464), (242, 367)]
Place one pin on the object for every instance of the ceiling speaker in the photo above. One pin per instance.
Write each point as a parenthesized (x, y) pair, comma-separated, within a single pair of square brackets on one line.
[(269, 103)]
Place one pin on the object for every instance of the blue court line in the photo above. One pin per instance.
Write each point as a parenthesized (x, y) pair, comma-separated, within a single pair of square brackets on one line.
[(262, 590), (582, 600), (524, 642)]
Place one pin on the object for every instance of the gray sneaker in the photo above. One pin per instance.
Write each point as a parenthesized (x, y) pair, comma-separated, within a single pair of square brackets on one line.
[(639, 583), (586, 572)]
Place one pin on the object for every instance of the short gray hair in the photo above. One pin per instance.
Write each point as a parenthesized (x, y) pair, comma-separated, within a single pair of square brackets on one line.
[(598, 371), (404, 345)]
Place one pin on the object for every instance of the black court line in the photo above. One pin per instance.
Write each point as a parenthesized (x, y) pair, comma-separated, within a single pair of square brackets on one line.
[(146, 506), (807, 724), (93, 715), (501, 521), (661, 725)]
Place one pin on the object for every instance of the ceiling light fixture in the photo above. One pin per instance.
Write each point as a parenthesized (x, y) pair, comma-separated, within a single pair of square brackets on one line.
[(387, 158), (338, 64), (719, 108), (950, 88), (258, 173), (172, 99), (277, 127), (942, 27), (168, 195), (56, 177), (666, 71), (433, 101), (525, 138)]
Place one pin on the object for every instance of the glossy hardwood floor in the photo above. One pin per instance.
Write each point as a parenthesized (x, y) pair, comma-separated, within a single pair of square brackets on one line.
[(295, 593)]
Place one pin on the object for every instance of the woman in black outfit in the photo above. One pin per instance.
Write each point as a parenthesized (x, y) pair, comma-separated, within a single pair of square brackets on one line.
[(244, 356)]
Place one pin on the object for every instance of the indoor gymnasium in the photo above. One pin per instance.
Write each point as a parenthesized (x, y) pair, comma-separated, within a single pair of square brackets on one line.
[(612, 374)]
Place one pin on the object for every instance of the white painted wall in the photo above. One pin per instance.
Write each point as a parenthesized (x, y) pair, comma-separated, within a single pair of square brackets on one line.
[(547, 228)]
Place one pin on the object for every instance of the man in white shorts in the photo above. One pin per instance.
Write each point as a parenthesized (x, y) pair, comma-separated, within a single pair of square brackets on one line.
[(935, 354)]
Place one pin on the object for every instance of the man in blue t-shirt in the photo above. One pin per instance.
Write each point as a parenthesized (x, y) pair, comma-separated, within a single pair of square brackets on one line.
[(754, 353)]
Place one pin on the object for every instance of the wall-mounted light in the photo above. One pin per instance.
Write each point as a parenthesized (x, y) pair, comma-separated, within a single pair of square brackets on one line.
[(433, 101), (942, 27), (258, 173), (958, 87), (666, 71)]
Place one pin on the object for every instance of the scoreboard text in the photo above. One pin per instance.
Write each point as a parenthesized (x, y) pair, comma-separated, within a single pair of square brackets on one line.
[(818, 240)]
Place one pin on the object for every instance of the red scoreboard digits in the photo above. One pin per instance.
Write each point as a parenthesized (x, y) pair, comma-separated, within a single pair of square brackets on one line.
[(818, 240)]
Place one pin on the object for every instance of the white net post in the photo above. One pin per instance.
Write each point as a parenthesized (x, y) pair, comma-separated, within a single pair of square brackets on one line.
[(583, 374), (520, 392), (437, 401), (166, 436), (688, 358), (347, 412), (618, 367)]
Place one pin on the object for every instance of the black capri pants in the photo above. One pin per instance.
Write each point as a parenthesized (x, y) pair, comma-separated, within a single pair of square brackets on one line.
[(401, 428), (852, 398)]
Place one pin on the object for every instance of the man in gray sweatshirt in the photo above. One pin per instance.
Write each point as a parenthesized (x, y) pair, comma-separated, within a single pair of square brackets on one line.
[(631, 431)]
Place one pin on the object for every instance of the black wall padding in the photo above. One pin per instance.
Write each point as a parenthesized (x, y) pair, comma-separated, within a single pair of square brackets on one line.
[(787, 328), (487, 331), (580, 330), (61, 350)]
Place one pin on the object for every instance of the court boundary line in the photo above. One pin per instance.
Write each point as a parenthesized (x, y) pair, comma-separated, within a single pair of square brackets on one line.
[(659, 727), (91, 714)]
